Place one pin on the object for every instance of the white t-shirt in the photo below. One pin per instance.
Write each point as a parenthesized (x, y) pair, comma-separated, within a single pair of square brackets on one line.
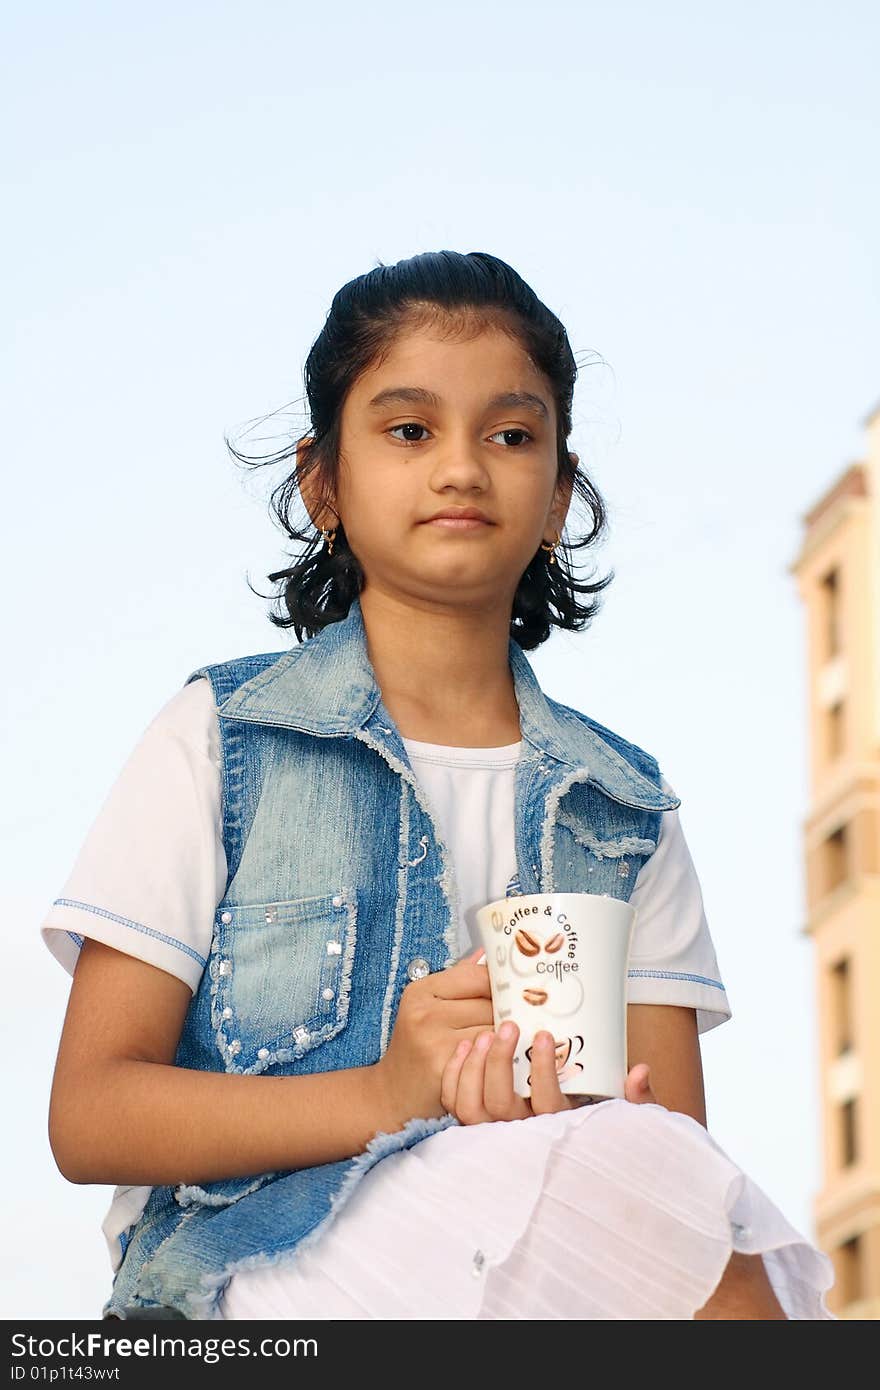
[(152, 869)]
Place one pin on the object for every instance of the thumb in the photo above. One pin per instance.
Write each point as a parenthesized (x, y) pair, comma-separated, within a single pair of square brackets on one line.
[(637, 1087)]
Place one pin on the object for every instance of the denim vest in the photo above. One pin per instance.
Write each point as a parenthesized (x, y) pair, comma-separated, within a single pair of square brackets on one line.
[(340, 891)]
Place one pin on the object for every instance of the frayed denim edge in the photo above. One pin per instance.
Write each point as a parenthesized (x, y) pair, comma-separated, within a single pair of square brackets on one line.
[(551, 804), (206, 1305), (605, 849), (188, 1193)]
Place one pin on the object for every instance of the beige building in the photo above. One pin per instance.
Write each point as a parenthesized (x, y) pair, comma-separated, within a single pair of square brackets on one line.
[(838, 575)]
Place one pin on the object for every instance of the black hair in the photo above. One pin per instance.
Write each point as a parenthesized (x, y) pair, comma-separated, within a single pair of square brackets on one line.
[(450, 291)]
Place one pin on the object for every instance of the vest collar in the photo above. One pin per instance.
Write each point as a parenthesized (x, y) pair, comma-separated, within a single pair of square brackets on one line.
[(326, 686)]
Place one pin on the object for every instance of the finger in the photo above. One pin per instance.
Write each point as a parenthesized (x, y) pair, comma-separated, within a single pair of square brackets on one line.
[(499, 1098), (469, 1099), (472, 1033), (437, 1014), (547, 1098), (463, 980), (637, 1087), (451, 1074), (462, 1013)]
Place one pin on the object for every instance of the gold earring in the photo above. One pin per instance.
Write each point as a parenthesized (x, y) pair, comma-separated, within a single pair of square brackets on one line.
[(329, 537), (552, 548)]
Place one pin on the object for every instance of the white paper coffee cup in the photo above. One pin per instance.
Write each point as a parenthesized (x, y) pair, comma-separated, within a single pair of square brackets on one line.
[(559, 961)]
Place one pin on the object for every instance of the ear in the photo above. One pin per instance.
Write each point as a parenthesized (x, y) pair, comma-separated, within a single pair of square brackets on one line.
[(562, 498), (317, 504)]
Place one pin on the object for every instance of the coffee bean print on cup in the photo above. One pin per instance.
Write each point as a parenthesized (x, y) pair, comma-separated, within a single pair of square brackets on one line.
[(526, 942), (535, 996), (555, 943)]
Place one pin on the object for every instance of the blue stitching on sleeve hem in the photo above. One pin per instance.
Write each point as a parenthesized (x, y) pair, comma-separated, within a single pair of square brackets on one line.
[(673, 975), (135, 926)]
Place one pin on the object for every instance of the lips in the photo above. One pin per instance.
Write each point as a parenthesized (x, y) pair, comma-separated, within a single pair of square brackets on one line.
[(466, 518)]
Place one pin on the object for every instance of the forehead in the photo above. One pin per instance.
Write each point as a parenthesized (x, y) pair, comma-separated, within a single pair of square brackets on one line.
[(426, 366)]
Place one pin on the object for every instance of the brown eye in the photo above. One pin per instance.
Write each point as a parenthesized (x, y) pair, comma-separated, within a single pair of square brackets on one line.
[(513, 430), (408, 425)]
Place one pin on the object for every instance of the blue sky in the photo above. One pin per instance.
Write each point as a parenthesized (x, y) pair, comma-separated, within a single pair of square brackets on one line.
[(692, 189)]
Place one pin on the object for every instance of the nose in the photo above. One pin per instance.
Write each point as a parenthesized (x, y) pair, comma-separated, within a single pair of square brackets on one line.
[(458, 464)]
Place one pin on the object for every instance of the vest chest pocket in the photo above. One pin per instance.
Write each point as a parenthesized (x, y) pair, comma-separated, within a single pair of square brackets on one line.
[(280, 977)]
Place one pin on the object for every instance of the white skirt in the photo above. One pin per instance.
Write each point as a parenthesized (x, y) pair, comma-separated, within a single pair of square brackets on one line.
[(608, 1211)]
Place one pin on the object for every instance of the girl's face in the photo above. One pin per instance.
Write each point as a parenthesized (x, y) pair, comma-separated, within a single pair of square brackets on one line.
[(421, 434)]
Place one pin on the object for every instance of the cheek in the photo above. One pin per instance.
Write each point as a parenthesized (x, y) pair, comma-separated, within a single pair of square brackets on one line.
[(377, 525), (531, 497), (367, 509)]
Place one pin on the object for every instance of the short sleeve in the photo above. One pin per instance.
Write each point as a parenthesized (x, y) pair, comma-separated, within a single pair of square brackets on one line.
[(152, 868), (672, 957)]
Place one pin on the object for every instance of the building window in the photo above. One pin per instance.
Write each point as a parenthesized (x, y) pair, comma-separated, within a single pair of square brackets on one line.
[(831, 616), (834, 728), (848, 1273), (848, 1134), (841, 1007), (836, 854)]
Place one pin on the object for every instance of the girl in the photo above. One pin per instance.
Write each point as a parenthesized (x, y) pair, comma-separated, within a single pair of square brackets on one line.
[(279, 1037)]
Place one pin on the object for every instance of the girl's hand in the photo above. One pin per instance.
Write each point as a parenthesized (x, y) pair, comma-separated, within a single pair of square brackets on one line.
[(435, 1013), (477, 1082)]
